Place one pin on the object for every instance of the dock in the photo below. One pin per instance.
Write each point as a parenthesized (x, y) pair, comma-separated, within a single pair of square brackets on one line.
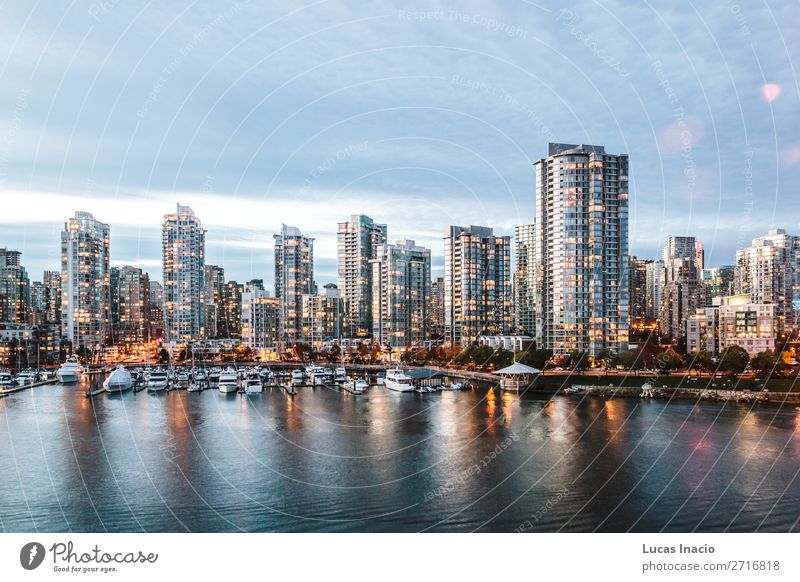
[(289, 389), (8, 391)]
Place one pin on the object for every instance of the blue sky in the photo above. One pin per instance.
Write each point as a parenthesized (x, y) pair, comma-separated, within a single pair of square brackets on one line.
[(419, 114)]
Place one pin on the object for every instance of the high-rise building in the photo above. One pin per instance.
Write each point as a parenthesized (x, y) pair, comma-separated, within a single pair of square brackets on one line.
[(10, 258), (156, 310), (294, 277), (637, 291), (260, 321), (477, 281), (654, 285), (401, 292), (85, 281), (357, 244), (133, 306), (683, 291), (524, 281), (323, 316), (581, 238), (769, 270), (436, 317), (52, 281), (183, 246), (15, 289), (38, 306), (230, 311), (733, 320), (213, 285), (719, 282)]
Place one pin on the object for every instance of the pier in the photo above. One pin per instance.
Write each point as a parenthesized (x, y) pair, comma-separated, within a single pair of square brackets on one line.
[(27, 386)]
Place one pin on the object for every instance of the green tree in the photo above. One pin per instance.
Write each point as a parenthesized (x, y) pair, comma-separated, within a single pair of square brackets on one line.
[(578, 360), (701, 361), (733, 359), (631, 360), (767, 362)]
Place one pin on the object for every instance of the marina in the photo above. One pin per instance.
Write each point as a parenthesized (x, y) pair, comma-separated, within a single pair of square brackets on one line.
[(324, 460)]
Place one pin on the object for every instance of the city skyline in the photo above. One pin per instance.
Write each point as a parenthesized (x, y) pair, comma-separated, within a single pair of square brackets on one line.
[(441, 136)]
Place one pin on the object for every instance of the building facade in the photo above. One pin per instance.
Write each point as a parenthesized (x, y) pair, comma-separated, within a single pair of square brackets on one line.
[(401, 294), (132, 299), (230, 311), (85, 282), (323, 317), (524, 282), (654, 285), (683, 291), (719, 282), (769, 270), (477, 284), (213, 284), (581, 237), (15, 289), (294, 277), (260, 315), (637, 291), (183, 248), (357, 245), (733, 320)]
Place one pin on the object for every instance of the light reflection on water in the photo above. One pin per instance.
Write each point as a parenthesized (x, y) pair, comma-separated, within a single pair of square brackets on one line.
[(329, 461)]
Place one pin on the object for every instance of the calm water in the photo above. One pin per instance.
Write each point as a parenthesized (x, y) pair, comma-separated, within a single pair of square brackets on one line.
[(329, 461)]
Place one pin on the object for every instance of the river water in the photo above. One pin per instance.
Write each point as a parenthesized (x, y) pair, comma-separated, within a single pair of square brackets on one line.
[(330, 461)]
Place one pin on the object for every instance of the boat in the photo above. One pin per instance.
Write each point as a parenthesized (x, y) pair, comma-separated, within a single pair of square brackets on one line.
[(213, 375), (6, 379), (26, 378), (355, 386), (195, 387), (70, 371), (228, 381), (267, 377), (397, 380), (340, 375), (119, 380), (316, 375), (252, 385), (182, 379), (297, 376), (157, 381), (199, 375)]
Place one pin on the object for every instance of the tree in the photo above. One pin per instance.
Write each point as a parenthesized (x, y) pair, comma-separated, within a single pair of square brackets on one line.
[(631, 360), (767, 362), (701, 361), (603, 357), (578, 360), (535, 358), (734, 360), (163, 356), (668, 360)]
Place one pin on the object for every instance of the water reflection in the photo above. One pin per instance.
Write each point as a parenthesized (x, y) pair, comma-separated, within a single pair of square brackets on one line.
[(328, 461)]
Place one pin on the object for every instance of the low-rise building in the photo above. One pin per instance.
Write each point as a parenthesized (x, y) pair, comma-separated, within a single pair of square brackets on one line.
[(733, 320)]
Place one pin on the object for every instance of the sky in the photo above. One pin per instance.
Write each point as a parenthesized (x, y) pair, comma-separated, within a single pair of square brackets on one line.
[(419, 114)]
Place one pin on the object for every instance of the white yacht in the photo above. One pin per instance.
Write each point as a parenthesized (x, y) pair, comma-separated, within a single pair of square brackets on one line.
[(70, 372), (356, 386), (228, 381), (119, 380), (316, 375), (6, 379), (26, 378), (340, 375), (252, 385), (157, 381), (297, 376), (398, 380)]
